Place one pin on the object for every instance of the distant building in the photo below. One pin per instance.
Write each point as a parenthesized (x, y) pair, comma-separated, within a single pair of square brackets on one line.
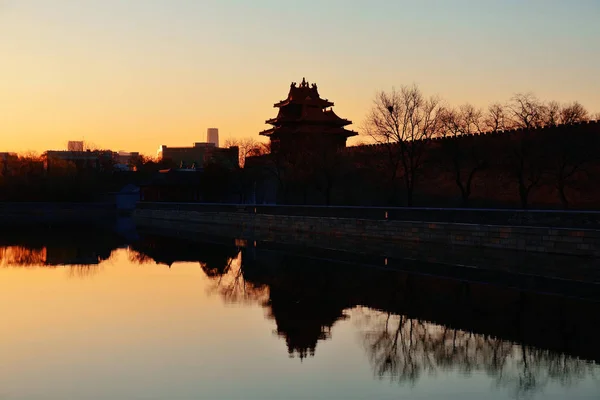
[(212, 136), (7, 161), (75, 145), (96, 160), (173, 185), (199, 155), (125, 160)]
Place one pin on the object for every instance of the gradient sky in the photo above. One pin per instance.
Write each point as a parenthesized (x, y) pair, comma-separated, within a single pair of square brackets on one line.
[(135, 74)]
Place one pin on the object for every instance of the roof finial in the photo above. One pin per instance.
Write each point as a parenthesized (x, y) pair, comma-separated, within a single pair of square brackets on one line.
[(304, 84)]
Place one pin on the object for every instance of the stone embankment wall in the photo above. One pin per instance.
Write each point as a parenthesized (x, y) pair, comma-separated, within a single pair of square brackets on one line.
[(528, 232)]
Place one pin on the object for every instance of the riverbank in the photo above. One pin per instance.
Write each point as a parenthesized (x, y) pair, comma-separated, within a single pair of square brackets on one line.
[(546, 232), (570, 274), (561, 275)]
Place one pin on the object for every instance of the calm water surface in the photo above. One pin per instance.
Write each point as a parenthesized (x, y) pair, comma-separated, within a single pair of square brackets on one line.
[(238, 324)]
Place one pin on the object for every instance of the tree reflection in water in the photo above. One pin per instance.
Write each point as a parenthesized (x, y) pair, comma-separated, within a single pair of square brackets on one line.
[(83, 271), (20, 256), (403, 349), (82, 253), (231, 284), (137, 257)]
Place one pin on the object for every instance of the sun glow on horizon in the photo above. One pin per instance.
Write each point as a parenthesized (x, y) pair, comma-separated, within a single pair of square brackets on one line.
[(135, 75)]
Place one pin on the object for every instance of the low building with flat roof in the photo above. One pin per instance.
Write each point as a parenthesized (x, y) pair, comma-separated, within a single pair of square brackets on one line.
[(81, 159), (200, 154)]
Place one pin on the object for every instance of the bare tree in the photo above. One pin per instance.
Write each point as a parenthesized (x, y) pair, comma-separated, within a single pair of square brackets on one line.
[(90, 146), (567, 156), (497, 118), (552, 113), (527, 111), (524, 154), (326, 167), (247, 147), (525, 162), (278, 166), (404, 121), (572, 113), (464, 153)]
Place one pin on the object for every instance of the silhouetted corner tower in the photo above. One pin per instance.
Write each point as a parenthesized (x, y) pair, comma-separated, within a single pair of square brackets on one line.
[(304, 118)]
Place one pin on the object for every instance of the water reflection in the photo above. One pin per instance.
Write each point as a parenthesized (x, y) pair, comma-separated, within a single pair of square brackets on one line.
[(11, 256), (59, 247), (136, 257), (410, 325), (403, 349)]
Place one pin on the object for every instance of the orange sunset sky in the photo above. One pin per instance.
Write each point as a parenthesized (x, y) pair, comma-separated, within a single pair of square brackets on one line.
[(132, 75)]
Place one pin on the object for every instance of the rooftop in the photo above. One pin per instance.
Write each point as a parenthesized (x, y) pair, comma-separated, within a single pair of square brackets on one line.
[(305, 93), (305, 112)]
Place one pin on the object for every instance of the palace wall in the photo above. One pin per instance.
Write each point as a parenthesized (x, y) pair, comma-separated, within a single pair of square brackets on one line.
[(456, 249), (576, 128)]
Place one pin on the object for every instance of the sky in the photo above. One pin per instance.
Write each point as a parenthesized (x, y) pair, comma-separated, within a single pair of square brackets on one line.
[(136, 74)]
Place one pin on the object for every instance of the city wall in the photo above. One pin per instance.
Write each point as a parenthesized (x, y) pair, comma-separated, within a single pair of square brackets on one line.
[(579, 128), (563, 245)]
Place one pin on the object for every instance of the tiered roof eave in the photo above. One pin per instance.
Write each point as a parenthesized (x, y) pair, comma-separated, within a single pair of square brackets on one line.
[(323, 103), (278, 121), (279, 130), (307, 114)]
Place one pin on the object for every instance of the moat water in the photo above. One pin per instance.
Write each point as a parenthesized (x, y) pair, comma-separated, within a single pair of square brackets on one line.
[(91, 316)]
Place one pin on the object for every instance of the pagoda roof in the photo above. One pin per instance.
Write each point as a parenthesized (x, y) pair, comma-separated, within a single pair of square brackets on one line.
[(303, 130), (311, 114), (308, 116), (304, 94)]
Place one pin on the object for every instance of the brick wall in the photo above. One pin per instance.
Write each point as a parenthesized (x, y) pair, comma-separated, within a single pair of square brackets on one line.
[(535, 239)]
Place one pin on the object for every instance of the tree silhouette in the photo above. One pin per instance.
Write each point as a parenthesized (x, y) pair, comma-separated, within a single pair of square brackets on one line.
[(464, 153), (404, 121)]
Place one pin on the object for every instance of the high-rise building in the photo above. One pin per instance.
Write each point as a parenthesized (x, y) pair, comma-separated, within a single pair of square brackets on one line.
[(212, 136)]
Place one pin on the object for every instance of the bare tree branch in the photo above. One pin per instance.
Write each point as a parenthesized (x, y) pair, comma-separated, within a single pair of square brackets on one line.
[(463, 153), (404, 121)]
